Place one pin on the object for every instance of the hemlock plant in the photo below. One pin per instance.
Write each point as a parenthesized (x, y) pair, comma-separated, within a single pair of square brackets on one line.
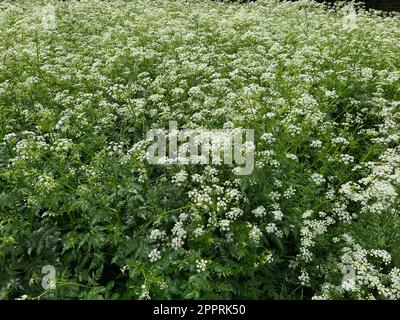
[(79, 93)]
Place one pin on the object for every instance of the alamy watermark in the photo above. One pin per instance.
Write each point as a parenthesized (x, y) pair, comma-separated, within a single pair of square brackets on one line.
[(49, 280), (202, 146)]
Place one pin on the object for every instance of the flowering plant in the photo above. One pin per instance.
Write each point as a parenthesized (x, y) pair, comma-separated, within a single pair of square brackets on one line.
[(79, 93)]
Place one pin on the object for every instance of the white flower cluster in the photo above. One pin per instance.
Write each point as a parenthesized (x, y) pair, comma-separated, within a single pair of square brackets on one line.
[(310, 230), (45, 184), (317, 178), (259, 212), (234, 213), (367, 274), (201, 265), (255, 234), (323, 104), (154, 255), (304, 278), (157, 234), (180, 177)]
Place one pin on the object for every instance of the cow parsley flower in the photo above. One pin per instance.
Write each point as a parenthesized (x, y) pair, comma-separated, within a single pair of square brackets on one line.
[(317, 178), (315, 144), (255, 234)]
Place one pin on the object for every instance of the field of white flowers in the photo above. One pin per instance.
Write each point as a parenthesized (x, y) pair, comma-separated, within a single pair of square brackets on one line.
[(81, 83)]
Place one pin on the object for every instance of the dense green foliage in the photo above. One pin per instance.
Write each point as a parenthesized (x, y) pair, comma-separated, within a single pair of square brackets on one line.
[(76, 192)]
